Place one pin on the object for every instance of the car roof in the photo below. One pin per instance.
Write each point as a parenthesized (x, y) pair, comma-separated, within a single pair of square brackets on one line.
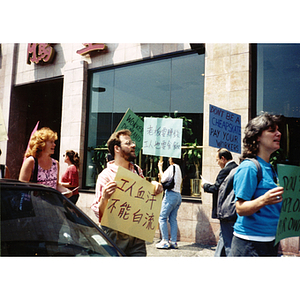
[(9, 183)]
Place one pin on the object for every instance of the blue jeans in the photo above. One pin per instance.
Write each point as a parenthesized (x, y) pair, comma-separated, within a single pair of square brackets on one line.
[(225, 238), (169, 210)]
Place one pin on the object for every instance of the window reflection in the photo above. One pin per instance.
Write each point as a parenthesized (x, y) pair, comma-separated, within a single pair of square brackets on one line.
[(278, 90), (154, 88)]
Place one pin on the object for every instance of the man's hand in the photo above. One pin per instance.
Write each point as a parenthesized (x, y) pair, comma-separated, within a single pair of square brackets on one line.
[(108, 190)]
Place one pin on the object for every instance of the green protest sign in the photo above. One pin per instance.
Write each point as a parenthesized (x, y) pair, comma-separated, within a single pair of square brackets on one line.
[(162, 137), (289, 220), (133, 122)]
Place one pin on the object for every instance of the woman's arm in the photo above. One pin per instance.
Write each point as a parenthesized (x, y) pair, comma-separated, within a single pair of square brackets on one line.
[(248, 208), (7, 175), (26, 169), (160, 171)]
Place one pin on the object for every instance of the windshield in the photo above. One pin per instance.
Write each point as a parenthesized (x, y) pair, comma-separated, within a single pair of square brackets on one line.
[(44, 223)]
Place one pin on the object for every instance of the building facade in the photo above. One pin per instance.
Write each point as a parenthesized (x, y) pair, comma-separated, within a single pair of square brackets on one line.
[(81, 91)]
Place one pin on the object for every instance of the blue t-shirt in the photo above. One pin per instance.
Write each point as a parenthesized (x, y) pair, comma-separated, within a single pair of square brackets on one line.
[(264, 222)]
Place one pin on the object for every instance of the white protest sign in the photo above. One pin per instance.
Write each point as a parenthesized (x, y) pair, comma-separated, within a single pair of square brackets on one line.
[(162, 137)]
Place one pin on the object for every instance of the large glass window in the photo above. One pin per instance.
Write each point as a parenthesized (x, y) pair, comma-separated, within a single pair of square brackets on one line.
[(158, 87), (278, 92)]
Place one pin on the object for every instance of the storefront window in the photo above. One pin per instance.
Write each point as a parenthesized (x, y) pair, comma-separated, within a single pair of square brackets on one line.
[(158, 87), (278, 90)]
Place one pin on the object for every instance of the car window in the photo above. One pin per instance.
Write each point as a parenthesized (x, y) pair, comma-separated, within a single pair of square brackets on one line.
[(44, 223)]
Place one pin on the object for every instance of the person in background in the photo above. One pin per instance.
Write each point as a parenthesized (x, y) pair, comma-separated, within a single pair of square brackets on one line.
[(122, 148), (70, 179), (258, 205), (170, 205), (4, 172), (38, 157), (226, 163)]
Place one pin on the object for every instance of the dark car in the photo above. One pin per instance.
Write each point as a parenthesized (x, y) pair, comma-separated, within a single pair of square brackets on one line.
[(39, 221)]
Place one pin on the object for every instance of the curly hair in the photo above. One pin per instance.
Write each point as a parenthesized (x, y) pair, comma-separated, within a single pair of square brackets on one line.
[(254, 129), (74, 158), (38, 141)]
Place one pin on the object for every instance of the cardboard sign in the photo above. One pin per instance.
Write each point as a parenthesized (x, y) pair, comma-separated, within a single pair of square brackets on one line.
[(133, 208), (162, 137), (224, 129), (132, 122), (289, 220)]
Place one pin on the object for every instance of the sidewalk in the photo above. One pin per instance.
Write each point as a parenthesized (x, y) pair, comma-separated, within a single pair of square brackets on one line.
[(185, 249)]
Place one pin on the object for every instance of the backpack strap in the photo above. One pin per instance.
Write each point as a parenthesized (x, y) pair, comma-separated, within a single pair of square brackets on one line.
[(258, 166), (136, 169), (2, 167), (35, 170)]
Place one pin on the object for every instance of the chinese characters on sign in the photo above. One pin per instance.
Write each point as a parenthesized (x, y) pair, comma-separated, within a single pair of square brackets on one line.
[(162, 137), (132, 122), (38, 53), (289, 220), (224, 129), (90, 47), (133, 208)]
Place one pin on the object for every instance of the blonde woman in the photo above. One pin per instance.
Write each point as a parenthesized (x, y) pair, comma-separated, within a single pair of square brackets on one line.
[(39, 166)]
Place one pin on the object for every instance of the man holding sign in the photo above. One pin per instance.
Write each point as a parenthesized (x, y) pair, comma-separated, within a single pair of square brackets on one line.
[(122, 148)]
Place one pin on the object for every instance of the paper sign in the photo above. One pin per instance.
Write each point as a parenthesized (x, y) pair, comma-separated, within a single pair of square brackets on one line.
[(289, 220), (224, 129), (132, 122), (162, 137), (3, 133), (133, 208)]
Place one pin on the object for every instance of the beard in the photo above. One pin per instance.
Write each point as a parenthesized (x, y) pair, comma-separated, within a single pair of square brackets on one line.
[(128, 155)]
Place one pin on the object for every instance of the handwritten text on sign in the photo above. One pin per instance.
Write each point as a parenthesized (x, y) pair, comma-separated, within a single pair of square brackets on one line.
[(132, 122), (133, 208), (162, 137), (289, 220), (224, 129)]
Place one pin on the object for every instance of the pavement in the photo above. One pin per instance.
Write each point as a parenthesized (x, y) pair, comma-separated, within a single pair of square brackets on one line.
[(185, 249)]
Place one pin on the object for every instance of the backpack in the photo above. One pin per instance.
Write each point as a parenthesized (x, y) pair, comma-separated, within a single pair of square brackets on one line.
[(226, 197)]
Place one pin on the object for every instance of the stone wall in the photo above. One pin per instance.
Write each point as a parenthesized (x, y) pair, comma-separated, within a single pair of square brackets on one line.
[(227, 87)]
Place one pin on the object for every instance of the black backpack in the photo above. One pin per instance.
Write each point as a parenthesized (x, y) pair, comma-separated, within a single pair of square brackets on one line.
[(226, 204)]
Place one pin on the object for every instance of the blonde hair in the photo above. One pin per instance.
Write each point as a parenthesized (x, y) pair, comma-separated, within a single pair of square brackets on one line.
[(38, 141)]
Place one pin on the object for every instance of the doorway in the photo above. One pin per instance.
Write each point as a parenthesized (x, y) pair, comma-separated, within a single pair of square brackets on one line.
[(30, 103)]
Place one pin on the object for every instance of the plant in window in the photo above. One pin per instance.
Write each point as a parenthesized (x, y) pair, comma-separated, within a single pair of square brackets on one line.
[(193, 154), (99, 156)]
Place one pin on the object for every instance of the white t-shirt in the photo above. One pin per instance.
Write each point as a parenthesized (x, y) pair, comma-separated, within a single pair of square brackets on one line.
[(178, 177)]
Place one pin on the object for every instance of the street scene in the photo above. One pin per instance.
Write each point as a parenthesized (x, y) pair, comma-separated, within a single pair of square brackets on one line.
[(124, 142)]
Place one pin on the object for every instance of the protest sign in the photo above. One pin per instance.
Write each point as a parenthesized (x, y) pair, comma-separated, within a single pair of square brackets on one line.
[(3, 133), (162, 137), (133, 208), (289, 220), (224, 129), (132, 122)]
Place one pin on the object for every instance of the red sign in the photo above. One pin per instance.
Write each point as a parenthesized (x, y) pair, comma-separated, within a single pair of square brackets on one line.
[(39, 53), (89, 47)]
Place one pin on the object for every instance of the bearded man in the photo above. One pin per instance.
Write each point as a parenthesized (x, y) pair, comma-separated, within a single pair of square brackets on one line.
[(122, 148)]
